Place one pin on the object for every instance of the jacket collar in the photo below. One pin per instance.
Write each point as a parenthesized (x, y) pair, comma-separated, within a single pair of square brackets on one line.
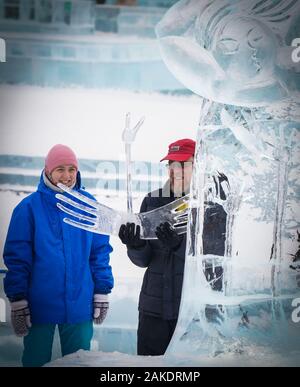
[(46, 186)]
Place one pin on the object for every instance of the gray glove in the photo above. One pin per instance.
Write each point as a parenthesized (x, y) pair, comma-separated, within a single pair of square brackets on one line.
[(20, 317), (101, 306)]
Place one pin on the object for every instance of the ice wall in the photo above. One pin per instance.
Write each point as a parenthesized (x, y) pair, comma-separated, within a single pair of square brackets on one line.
[(58, 16), (60, 43), (237, 55)]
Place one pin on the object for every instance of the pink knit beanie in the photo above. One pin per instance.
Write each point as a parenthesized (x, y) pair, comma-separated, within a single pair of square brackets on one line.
[(60, 155)]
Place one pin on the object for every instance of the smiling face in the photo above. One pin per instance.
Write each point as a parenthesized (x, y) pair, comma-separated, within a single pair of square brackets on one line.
[(65, 174), (180, 174)]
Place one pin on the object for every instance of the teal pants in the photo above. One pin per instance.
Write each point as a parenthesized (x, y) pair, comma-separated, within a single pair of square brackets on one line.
[(38, 343)]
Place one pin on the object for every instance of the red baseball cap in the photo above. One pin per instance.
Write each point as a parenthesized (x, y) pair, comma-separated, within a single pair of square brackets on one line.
[(181, 150)]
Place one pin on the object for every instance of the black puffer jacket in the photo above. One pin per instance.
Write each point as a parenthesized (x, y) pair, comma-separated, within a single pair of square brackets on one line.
[(161, 289)]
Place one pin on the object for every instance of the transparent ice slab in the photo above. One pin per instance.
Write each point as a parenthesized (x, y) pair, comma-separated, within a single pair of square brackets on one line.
[(96, 217)]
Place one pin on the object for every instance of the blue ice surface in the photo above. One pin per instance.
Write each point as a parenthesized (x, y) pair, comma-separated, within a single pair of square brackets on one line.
[(73, 16), (149, 3), (133, 65), (134, 20), (111, 47)]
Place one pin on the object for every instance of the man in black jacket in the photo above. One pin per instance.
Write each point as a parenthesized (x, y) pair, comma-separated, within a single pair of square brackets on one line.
[(165, 257)]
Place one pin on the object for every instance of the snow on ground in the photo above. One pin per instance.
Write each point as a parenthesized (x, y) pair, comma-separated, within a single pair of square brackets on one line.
[(104, 359), (252, 357)]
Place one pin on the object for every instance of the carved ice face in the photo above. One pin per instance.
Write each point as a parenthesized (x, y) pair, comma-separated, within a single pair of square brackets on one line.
[(245, 50), (231, 51)]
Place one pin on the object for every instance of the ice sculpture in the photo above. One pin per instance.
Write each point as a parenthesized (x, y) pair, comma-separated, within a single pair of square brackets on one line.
[(128, 137), (237, 56), (101, 219), (233, 51)]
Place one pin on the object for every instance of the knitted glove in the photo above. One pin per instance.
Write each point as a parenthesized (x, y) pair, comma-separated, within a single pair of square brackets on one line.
[(101, 306), (130, 236), (20, 317), (168, 236)]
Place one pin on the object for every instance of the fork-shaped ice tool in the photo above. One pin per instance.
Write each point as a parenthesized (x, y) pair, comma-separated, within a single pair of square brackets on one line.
[(96, 217), (128, 137)]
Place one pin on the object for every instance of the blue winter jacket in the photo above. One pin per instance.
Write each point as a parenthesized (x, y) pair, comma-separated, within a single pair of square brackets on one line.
[(55, 266)]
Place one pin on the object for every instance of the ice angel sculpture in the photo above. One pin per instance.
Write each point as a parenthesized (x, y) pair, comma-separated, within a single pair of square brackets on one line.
[(233, 51), (237, 56)]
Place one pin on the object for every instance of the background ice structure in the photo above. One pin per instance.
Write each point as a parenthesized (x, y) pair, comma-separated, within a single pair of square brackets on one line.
[(237, 56)]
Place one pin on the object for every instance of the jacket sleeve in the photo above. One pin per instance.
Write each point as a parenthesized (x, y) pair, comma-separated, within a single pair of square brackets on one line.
[(141, 256), (99, 264), (18, 252)]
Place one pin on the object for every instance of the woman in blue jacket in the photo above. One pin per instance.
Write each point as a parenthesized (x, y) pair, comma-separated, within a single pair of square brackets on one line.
[(57, 274)]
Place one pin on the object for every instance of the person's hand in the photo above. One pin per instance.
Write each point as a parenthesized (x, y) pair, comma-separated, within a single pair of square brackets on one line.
[(101, 306), (168, 236), (130, 236), (20, 317)]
